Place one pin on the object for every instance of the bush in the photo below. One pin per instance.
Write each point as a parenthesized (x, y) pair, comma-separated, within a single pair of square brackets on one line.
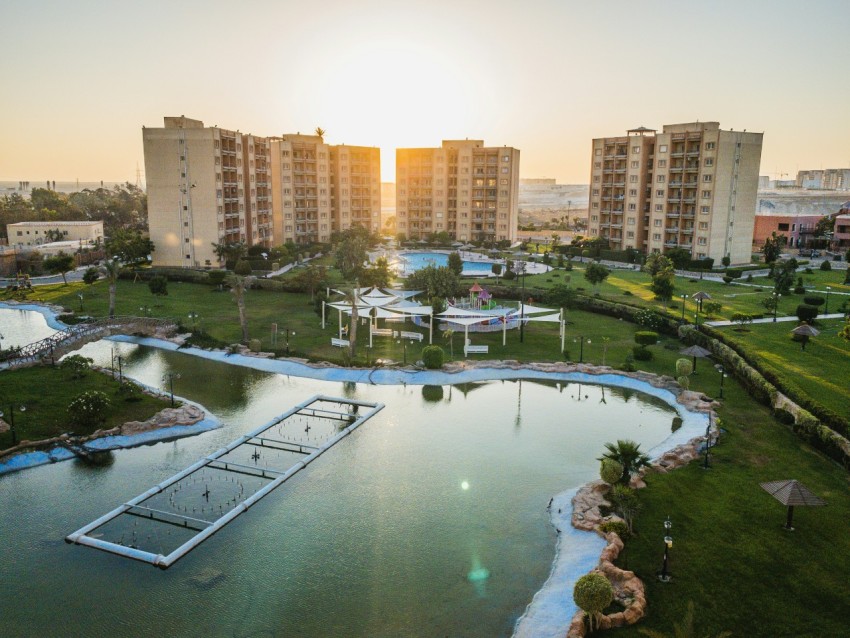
[(158, 285), (509, 275), (806, 312), (610, 471), (433, 357), (76, 365), (593, 593), (91, 275), (642, 353), (734, 273), (130, 391), (629, 363), (254, 345), (825, 265), (242, 268), (814, 300), (217, 277), (727, 279), (784, 416), (646, 337), (618, 527), (88, 407)]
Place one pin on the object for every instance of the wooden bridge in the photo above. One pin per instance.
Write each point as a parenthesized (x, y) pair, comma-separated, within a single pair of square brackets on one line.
[(74, 337)]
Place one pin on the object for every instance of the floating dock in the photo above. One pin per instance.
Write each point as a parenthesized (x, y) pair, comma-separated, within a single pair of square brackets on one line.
[(168, 521)]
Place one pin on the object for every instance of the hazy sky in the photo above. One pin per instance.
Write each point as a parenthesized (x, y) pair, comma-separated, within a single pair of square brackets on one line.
[(80, 78)]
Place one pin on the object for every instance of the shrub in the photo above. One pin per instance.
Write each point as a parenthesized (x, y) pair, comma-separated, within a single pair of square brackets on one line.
[(806, 312), (734, 273), (88, 407), (610, 471), (509, 275), (814, 300), (629, 363), (784, 416), (825, 265), (618, 527), (130, 391), (216, 277), (158, 285), (254, 345), (646, 337), (91, 275), (76, 365), (433, 357), (593, 593), (242, 268), (642, 353)]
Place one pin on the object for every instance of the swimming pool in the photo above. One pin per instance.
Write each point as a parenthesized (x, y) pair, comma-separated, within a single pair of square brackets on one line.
[(411, 262)]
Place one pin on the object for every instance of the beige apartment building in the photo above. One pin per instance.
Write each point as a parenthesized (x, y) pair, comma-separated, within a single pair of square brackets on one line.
[(692, 186), (205, 185), (463, 188), (356, 187), (30, 234)]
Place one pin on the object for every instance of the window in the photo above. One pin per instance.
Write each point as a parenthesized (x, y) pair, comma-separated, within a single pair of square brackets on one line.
[(630, 221), (706, 194), (635, 150), (632, 192), (656, 223), (598, 152), (709, 161), (661, 179), (704, 210), (633, 179), (635, 164), (594, 218), (656, 236), (284, 153), (703, 225), (505, 169), (702, 241), (783, 227), (709, 146), (632, 207), (707, 178), (596, 178), (662, 163), (506, 158), (595, 205), (503, 182), (595, 191), (597, 165), (662, 148), (660, 192), (659, 208), (630, 234)]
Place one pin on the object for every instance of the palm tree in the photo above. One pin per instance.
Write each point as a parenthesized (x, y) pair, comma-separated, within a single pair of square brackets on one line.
[(320, 131), (685, 630), (449, 335), (111, 269), (238, 286), (626, 453)]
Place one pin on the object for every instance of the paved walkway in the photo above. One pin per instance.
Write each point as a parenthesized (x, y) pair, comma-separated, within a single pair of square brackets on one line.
[(835, 315)]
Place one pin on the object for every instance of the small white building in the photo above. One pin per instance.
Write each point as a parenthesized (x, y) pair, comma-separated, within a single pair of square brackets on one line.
[(31, 234)]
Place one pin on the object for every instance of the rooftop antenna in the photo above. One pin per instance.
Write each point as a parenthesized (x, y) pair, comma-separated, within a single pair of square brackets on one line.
[(138, 176)]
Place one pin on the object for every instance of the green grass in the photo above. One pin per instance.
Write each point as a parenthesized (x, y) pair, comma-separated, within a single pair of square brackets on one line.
[(46, 391), (730, 555)]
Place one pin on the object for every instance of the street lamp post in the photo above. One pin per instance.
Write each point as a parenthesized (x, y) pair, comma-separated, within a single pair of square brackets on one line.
[(171, 376), (826, 307), (194, 317), (403, 343), (684, 297), (522, 305), (722, 372), (80, 295), (776, 297), (145, 310), (581, 341), (287, 339), (664, 575), (120, 370), (12, 429)]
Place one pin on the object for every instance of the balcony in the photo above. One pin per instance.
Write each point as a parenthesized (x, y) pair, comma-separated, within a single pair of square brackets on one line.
[(692, 168), (674, 199), (676, 169), (688, 231), (672, 229), (672, 215), (693, 153), (678, 154), (619, 184)]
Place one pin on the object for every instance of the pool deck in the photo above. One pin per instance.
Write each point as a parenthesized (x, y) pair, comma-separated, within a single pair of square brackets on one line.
[(577, 552)]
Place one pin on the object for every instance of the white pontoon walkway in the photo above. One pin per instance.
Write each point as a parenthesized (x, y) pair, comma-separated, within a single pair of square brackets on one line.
[(171, 519)]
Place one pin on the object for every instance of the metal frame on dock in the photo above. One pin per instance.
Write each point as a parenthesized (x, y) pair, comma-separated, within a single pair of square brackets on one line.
[(206, 528)]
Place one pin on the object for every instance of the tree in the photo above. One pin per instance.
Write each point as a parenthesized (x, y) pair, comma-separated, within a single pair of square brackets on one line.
[(91, 275), (783, 276), (320, 132), (596, 273), (627, 453), (496, 269), (656, 262), (350, 251), (312, 278), (663, 284), (111, 270), (593, 593), (844, 333), (679, 257), (229, 251), (243, 268), (60, 264), (770, 303), (773, 246), (561, 295), (610, 471), (455, 263), (625, 502), (825, 226), (129, 246), (807, 313), (76, 365), (239, 285), (684, 368), (158, 285), (448, 335), (435, 281), (433, 357), (379, 275)]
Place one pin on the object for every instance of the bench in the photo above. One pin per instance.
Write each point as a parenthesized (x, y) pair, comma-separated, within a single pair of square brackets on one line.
[(383, 332), (395, 319), (340, 343), (416, 336), (476, 349)]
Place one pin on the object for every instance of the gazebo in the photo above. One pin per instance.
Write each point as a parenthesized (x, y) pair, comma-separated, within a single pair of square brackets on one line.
[(804, 331), (695, 351), (792, 493)]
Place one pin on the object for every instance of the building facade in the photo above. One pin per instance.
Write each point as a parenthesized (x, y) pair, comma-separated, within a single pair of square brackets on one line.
[(463, 188), (30, 234), (205, 186), (692, 186), (356, 187), (799, 230), (837, 179)]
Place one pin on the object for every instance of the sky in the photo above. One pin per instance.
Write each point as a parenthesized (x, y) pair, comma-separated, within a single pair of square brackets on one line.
[(81, 78)]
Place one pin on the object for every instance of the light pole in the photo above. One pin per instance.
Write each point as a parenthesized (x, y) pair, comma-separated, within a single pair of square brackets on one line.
[(722, 372), (194, 317), (776, 297), (522, 305), (403, 342), (581, 341), (120, 371), (287, 339), (145, 310), (171, 376), (14, 432), (80, 295), (826, 307), (664, 575), (707, 442), (684, 297)]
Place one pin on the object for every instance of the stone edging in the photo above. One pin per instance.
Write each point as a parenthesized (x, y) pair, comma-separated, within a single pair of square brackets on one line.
[(628, 588)]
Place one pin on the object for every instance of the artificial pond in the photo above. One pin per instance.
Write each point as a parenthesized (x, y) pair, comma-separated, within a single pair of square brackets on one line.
[(429, 520)]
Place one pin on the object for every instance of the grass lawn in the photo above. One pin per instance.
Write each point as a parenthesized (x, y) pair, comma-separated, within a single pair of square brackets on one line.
[(730, 554), (46, 391), (820, 371)]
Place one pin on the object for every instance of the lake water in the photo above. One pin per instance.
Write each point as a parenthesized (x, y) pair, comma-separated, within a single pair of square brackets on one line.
[(378, 537)]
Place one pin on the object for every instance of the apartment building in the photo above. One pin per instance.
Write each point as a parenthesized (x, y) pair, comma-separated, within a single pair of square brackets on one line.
[(356, 187), (463, 188), (692, 186), (205, 185), (825, 179), (28, 234)]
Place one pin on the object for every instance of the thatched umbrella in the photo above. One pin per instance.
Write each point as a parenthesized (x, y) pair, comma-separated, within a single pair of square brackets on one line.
[(804, 331), (791, 493), (699, 297), (695, 351)]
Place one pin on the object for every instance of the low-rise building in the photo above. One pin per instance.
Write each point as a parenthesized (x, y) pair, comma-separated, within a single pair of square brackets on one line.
[(30, 234)]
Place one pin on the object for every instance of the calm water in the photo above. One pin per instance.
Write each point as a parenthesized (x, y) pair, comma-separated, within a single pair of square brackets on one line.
[(376, 538)]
